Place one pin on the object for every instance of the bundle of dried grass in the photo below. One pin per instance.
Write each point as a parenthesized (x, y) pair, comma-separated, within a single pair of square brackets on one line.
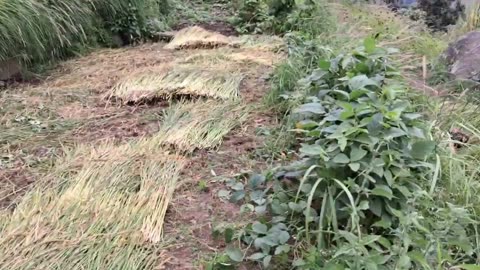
[(196, 37), (201, 124), (108, 214), (168, 82)]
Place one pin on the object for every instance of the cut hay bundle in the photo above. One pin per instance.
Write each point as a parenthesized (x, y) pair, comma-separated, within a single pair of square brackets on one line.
[(201, 124), (166, 83), (233, 59), (107, 215), (196, 37)]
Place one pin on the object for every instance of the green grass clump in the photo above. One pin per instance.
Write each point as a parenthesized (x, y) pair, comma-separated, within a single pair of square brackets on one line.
[(39, 31)]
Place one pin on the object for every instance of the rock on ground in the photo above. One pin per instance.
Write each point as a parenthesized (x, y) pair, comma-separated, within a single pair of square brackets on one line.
[(463, 57)]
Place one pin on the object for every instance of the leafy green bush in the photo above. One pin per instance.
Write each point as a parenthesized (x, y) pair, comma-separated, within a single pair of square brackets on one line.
[(40, 30), (361, 194), (133, 20), (281, 16)]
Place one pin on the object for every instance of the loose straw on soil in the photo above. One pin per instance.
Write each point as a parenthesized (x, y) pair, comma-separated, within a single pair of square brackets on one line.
[(107, 215), (196, 37), (165, 83), (202, 124)]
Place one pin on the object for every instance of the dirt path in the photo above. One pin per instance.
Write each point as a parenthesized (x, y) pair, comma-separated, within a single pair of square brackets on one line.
[(100, 122)]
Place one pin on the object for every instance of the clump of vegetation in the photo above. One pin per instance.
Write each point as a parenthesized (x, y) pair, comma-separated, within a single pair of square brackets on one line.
[(362, 194), (263, 16), (441, 13), (36, 31)]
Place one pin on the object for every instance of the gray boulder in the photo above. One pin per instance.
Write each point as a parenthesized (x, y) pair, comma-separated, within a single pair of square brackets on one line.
[(463, 57)]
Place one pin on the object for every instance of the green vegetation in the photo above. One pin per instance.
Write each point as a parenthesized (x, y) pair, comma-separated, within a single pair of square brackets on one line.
[(36, 31), (363, 173), (375, 185), (270, 16)]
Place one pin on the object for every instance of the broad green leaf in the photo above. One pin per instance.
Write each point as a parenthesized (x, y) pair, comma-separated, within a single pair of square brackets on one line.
[(306, 124), (362, 68), (324, 64), (354, 166), (297, 207), (317, 74), (312, 150), (364, 205), (299, 262), (404, 190), (237, 196), (315, 108), (258, 196), (256, 180), (360, 82), (247, 208), (256, 256), (261, 209), (378, 170), (395, 133), (357, 154), (224, 194), (370, 44), (388, 177), (416, 132), (344, 115), (389, 92), (350, 237), (283, 237), (266, 261), (382, 190), (235, 254), (411, 116), (282, 249), (228, 235), (404, 262), (342, 143), (259, 228), (341, 158), (342, 94), (264, 242), (357, 93), (418, 257), (385, 242), (238, 186), (422, 149), (385, 224)]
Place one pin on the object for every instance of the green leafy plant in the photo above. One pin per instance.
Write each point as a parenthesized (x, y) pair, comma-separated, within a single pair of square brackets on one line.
[(282, 16), (361, 195)]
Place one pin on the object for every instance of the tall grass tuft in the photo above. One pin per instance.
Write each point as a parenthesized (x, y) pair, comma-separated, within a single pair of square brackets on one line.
[(38, 30), (473, 18), (32, 30)]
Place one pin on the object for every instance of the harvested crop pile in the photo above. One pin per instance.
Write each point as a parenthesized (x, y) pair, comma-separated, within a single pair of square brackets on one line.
[(196, 37), (109, 214), (201, 124), (166, 82)]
